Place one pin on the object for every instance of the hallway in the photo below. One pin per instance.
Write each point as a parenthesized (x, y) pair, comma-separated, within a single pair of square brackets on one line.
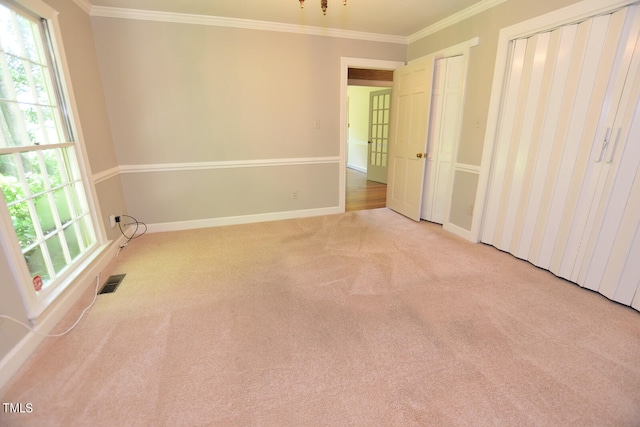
[(362, 194)]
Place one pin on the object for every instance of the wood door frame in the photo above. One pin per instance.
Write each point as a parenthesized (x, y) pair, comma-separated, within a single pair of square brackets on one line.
[(345, 64)]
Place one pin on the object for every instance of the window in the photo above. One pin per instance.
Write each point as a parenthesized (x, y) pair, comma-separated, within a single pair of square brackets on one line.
[(44, 193)]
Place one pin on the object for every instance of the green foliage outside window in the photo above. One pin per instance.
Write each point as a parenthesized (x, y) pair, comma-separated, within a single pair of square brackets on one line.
[(14, 194), (39, 171)]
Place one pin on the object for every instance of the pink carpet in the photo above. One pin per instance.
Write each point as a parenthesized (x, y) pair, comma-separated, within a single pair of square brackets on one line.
[(360, 319)]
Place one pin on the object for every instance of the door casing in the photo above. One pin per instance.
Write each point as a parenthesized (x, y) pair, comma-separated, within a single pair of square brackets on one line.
[(413, 209), (345, 64)]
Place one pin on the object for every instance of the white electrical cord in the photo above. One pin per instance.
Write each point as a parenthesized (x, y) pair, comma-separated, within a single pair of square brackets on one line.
[(95, 295)]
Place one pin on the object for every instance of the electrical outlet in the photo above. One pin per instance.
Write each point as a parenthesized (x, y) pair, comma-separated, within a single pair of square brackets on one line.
[(113, 220), (295, 195)]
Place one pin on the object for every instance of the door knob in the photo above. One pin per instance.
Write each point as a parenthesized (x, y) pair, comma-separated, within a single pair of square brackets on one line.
[(419, 155)]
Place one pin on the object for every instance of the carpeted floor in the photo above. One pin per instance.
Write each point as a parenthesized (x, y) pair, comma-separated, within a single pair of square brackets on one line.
[(360, 319)]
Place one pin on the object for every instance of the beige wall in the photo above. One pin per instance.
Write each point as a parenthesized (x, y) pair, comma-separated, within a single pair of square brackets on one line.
[(487, 26), (94, 122), (88, 92), (112, 202), (10, 305), (189, 93), (181, 93), (196, 195)]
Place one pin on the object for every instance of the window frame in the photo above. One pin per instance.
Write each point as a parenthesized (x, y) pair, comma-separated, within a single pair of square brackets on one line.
[(36, 303)]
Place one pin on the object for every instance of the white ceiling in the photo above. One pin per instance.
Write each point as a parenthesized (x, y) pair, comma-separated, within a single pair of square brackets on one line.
[(390, 17)]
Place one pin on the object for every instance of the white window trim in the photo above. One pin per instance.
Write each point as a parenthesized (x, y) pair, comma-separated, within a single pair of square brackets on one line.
[(35, 305)]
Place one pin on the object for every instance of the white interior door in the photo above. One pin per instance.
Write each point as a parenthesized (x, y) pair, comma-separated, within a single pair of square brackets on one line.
[(379, 111), (444, 131), (411, 101)]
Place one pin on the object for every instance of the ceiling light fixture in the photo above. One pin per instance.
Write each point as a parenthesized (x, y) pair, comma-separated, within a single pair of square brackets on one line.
[(323, 5)]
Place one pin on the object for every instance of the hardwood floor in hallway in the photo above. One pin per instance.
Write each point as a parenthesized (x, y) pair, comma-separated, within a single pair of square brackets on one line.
[(363, 194)]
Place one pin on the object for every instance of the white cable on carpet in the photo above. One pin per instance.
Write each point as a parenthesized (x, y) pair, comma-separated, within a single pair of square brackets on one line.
[(95, 295)]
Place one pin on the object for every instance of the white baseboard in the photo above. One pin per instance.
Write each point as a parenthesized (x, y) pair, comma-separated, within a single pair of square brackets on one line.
[(357, 168), (13, 361), (244, 219), (461, 232)]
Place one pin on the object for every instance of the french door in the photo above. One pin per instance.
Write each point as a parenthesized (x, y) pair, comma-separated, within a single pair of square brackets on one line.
[(378, 147)]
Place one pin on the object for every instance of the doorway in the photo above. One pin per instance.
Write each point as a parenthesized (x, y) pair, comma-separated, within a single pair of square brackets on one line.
[(366, 154), (410, 123), (364, 194), (367, 113)]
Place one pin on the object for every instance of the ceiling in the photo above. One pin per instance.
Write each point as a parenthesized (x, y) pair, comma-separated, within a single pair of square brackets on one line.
[(389, 17)]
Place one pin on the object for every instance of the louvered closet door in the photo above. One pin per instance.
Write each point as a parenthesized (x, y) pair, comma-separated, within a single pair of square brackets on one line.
[(551, 163), (611, 264)]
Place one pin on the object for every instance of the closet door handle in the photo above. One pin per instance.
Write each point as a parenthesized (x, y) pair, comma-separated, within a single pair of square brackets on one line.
[(604, 145), (615, 145)]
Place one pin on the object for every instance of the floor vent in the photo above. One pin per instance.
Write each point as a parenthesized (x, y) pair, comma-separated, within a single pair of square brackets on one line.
[(111, 284)]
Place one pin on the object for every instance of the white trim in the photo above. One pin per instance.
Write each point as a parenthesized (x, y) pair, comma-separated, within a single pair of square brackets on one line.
[(467, 168), (106, 174), (67, 89), (84, 5), (455, 18), (459, 231), (244, 219), (229, 164), (567, 15), (463, 49), (46, 298), (14, 359), (356, 168), (458, 49), (220, 21), (345, 64), (33, 305), (39, 8)]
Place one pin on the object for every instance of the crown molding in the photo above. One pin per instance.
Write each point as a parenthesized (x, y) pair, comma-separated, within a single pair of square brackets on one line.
[(455, 18), (219, 21), (84, 5)]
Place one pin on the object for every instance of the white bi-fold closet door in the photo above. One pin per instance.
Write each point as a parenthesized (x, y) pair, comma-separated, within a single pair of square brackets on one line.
[(565, 189)]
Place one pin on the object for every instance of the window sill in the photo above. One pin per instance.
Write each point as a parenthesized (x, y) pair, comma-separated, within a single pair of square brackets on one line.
[(81, 272)]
